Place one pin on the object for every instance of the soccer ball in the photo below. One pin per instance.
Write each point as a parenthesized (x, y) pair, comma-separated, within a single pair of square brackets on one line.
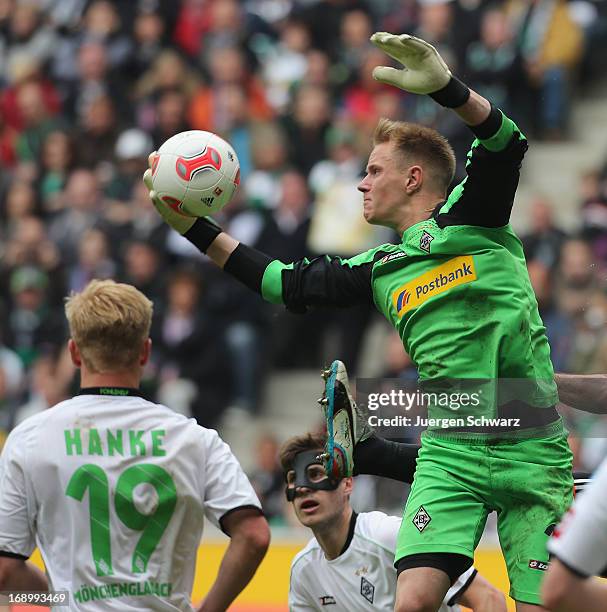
[(195, 173)]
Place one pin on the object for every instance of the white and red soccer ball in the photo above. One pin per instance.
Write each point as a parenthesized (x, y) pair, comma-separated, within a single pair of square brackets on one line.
[(195, 173)]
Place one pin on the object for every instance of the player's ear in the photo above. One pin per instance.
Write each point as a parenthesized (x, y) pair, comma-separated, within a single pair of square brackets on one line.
[(146, 351), (74, 353), (414, 179), (348, 485)]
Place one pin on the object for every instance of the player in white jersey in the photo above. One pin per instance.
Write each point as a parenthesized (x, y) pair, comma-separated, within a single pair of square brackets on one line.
[(349, 564), (579, 553), (113, 488)]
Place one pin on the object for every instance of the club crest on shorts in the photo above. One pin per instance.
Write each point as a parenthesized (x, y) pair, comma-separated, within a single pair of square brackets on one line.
[(425, 240), (421, 519), (367, 590)]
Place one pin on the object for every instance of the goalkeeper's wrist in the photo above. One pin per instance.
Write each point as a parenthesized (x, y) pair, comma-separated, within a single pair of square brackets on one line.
[(453, 94), (203, 233)]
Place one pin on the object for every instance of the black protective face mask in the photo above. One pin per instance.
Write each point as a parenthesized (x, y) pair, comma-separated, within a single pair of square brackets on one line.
[(308, 472)]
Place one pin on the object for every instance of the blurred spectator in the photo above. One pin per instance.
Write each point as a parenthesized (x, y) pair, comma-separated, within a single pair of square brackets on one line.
[(20, 202), (577, 280), (30, 245), (50, 383), (37, 120), (82, 206), (550, 44), (143, 269), (188, 345), (235, 125), (192, 23), (589, 350), (8, 138), (267, 477), (55, 164), (92, 80), (228, 27), (269, 157), (167, 73), (559, 326), (281, 231), (102, 23), (593, 192), (227, 66), (306, 127), (94, 260), (149, 38), (435, 25), (131, 152), (356, 29), (32, 323), (285, 63), (27, 36), (544, 240), (97, 133), (318, 71), (324, 19), (23, 72), (171, 116), (366, 100), (491, 65)]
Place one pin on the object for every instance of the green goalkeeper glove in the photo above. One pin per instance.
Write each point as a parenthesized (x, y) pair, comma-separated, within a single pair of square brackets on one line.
[(424, 70)]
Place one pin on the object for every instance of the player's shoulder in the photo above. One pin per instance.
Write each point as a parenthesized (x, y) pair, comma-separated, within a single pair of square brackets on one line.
[(33, 423), (376, 254), (378, 527), (209, 438), (311, 553), (27, 435), (368, 522)]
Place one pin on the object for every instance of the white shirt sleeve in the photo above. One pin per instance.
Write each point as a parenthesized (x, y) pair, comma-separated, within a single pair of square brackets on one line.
[(226, 486), (17, 518), (580, 541), (459, 586)]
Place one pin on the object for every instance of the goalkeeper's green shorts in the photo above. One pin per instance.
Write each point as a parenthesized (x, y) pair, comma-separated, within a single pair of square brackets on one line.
[(527, 482)]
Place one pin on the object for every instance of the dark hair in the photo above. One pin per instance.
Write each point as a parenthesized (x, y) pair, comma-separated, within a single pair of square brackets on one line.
[(421, 145), (297, 444)]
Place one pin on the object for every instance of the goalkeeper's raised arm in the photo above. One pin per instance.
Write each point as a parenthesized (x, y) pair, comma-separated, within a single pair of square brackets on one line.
[(395, 194)]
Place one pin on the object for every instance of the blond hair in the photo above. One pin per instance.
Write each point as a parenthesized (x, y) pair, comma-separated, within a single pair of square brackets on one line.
[(109, 322), (422, 145)]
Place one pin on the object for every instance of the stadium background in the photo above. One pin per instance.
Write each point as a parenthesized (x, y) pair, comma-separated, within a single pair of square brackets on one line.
[(89, 88)]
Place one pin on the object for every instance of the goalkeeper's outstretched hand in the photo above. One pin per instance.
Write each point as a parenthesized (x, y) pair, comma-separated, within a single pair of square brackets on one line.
[(178, 222), (424, 70)]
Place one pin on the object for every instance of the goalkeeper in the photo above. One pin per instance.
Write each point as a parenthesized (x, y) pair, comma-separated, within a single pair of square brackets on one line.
[(457, 290)]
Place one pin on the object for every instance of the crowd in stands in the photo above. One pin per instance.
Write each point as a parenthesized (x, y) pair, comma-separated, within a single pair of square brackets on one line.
[(88, 88)]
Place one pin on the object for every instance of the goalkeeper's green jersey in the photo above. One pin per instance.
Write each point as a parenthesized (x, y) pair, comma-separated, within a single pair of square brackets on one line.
[(456, 288)]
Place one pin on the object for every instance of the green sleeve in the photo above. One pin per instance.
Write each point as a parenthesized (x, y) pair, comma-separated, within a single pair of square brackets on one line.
[(271, 283), (322, 281)]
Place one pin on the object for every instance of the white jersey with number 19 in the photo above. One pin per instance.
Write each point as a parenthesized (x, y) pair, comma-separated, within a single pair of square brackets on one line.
[(113, 490)]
